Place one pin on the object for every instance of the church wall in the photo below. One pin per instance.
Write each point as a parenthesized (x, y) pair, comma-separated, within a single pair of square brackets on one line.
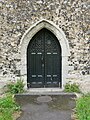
[(72, 16)]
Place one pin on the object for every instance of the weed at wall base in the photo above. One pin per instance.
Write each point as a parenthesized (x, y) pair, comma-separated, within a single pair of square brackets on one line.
[(72, 88)]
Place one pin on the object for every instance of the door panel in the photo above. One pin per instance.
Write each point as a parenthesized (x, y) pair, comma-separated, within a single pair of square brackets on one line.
[(35, 71), (44, 60), (52, 60)]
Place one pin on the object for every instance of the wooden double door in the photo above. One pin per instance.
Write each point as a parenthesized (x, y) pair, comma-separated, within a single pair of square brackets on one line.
[(44, 60)]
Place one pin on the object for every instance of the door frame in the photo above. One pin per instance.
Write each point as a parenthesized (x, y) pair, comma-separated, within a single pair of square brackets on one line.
[(62, 41)]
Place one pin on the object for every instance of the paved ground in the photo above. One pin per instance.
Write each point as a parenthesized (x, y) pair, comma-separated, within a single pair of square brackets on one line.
[(60, 108)]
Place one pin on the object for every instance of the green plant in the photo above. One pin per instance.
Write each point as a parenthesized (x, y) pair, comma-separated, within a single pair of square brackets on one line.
[(72, 88), (16, 87), (6, 115), (83, 107), (7, 107), (8, 102)]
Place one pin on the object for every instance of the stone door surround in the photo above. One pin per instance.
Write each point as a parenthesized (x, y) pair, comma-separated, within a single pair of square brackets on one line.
[(61, 38)]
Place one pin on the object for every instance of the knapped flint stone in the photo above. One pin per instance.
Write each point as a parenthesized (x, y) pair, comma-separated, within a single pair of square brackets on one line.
[(71, 16), (88, 32), (4, 72), (17, 72)]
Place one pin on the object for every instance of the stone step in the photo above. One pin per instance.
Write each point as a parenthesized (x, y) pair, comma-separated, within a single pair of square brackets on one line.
[(47, 93)]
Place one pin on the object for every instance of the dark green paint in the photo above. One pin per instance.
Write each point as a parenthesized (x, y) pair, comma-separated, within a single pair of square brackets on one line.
[(44, 60)]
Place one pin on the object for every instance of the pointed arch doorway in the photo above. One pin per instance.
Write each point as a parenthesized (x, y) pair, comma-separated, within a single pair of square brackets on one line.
[(44, 60), (27, 38)]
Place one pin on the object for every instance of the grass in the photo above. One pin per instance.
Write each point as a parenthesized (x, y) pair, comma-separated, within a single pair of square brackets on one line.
[(83, 107), (72, 88), (7, 107), (15, 87)]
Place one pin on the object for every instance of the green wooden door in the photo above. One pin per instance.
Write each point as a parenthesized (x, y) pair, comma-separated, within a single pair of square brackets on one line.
[(44, 60)]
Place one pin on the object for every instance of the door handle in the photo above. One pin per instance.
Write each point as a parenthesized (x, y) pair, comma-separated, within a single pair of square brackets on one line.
[(51, 78), (42, 59)]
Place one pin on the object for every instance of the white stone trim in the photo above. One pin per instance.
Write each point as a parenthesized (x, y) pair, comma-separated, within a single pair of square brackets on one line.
[(61, 38)]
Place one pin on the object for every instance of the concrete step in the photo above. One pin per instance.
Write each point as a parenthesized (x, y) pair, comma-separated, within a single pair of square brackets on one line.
[(47, 93)]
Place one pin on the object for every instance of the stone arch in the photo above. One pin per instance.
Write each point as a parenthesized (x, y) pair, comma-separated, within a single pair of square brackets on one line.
[(61, 38)]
